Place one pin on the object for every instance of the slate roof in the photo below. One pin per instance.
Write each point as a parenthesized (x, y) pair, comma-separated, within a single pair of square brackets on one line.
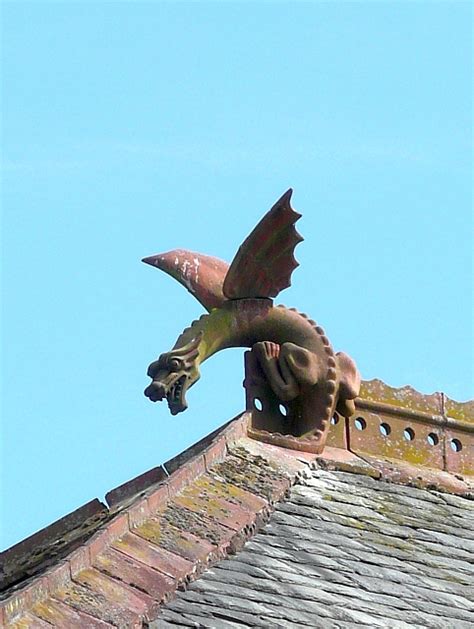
[(375, 531), (343, 551)]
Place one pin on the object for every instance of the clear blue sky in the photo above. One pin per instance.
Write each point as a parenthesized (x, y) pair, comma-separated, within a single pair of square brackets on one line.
[(131, 129)]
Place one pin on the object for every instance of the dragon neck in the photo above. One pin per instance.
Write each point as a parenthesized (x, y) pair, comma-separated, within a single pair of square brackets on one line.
[(241, 323), (210, 333)]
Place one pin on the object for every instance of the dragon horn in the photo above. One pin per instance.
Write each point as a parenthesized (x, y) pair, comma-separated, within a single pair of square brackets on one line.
[(202, 275)]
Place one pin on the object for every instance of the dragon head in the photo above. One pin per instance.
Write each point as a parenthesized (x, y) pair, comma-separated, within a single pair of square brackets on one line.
[(172, 375)]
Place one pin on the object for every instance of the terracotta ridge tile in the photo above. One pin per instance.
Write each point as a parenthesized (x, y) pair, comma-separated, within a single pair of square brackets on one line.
[(437, 403)]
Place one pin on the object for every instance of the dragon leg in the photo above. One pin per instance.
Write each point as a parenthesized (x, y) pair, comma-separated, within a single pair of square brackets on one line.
[(349, 384), (271, 358), (287, 367)]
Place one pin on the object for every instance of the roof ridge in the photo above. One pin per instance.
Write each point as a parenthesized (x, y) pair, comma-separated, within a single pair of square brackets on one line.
[(226, 475)]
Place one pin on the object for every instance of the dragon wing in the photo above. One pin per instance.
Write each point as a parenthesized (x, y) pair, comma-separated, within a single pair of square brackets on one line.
[(202, 275), (264, 262)]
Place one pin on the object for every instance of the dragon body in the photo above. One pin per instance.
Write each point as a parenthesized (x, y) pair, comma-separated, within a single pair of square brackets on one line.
[(291, 350)]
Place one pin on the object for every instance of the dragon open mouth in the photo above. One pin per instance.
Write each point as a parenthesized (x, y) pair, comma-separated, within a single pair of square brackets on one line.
[(175, 396)]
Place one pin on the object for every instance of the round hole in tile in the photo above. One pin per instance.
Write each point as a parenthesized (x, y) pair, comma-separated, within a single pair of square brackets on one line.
[(283, 410), (408, 434), (432, 439), (456, 445), (360, 423), (335, 419), (385, 429), (257, 402)]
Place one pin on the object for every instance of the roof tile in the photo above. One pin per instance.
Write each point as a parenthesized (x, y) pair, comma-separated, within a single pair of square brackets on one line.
[(59, 614), (136, 574), (161, 533), (28, 620), (96, 604), (153, 556)]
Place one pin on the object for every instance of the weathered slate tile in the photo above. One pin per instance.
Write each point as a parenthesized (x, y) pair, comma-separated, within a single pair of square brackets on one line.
[(265, 567), (265, 614), (346, 551), (292, 557), (257, 609), (316, 535), (169, 618), (197, 619), (455, 614), (207, 609), (267, 593), (164, 624)]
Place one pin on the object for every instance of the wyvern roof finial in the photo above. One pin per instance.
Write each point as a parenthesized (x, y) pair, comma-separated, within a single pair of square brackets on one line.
[(289, 351)]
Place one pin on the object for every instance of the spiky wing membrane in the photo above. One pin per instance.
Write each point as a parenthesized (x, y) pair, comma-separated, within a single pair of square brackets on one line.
[(264, 262)]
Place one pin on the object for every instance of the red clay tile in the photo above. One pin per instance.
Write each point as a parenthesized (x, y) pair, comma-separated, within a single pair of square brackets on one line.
[(98, 543), (58, 576), (403, 436), (136, 574), (284, 460), (158, 499), (135, 486), (29, 621), (79, 560), (212, 483), (65, 617), (237, 429), (25, 598), (406, 397), (199, 498), (463, 411), (116, 591), (149, 554), (118, 525), (138, 512), (404, 473), (111, 609), (459, 448), (215, 453), (337, 434), (199, 525), (186, 474), (345, 461), (160, 532), (254, 474)]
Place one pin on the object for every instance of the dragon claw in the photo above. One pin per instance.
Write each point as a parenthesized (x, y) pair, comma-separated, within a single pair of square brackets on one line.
[(267, 349)]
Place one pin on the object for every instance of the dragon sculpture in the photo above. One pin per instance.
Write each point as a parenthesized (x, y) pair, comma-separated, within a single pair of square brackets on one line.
[(291, 350)]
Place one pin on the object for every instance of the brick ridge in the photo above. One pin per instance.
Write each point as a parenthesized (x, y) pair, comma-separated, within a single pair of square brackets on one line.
[(94, 514), (120, 516), (132, 515)]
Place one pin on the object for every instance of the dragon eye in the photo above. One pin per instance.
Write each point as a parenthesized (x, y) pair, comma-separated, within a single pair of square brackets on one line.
[(174, 364)]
